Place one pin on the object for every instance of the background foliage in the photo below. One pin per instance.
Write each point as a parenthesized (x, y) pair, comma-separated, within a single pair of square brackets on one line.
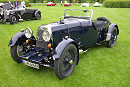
[(117, 3), (5, 1), (69, 1)]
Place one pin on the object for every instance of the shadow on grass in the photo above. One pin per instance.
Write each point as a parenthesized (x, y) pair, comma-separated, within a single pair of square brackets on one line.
[(20, 21), (92, 49), (48, 72)]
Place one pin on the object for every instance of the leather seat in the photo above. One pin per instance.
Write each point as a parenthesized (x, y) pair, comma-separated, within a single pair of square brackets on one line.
[(31, 10), (99, 24)]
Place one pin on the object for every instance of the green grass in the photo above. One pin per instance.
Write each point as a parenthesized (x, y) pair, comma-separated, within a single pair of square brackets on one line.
[(98, 67)]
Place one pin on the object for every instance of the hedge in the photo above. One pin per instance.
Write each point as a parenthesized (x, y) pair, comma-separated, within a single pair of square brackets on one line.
[(117, 3), (27, 2)]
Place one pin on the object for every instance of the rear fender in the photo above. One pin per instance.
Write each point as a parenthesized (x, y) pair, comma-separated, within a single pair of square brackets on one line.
[(37, 11), (18, 38), (61, 46), (110, 29)]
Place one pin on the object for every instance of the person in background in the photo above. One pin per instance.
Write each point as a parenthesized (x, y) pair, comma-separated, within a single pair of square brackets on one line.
[(22, 4), (65, 2), (61, 2), (16, 3), (74, 1), (9, 2)]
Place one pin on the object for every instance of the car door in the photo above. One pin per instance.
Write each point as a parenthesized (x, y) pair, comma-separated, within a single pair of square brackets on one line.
[(27, 14), (89, 34), (75, 31), (24, 14)]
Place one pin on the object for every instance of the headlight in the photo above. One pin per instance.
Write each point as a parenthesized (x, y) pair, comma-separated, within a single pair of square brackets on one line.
[(7, 12), (28, 32), (1, 11), (46, 35)]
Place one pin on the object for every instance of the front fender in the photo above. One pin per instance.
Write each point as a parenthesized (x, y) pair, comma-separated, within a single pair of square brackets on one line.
[(17, 38), (61, 46)]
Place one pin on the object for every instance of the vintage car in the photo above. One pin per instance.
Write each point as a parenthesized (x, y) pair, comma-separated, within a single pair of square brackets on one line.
[(97, 4), (8, 13), (50, 4), (67, 4), (57, 44), (85, 5)]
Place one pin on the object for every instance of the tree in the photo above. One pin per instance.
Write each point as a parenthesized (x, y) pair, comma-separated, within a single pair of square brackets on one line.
[(70, 1)]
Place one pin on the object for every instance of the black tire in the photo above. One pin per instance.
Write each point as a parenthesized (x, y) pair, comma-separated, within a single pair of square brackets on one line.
[(13, 19), (16, 54), (104, 19), (113, 39), (37, 15), (67, 61)]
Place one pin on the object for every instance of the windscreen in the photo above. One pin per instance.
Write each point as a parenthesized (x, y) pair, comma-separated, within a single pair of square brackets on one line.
[(78, 13)]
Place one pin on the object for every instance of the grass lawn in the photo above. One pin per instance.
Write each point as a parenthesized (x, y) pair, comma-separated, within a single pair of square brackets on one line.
[(98, 67)]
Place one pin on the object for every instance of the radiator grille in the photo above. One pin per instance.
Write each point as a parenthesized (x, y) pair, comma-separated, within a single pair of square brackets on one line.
[(40, 42), (39, 34), (0, 11)]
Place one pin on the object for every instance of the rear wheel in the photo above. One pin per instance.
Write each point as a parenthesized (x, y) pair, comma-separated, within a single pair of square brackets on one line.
[(37, 15), (113, 39), (13, 19), (16, 52), (65, 65)]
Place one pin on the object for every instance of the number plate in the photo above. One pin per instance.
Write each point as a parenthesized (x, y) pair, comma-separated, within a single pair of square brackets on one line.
[(30, 64)]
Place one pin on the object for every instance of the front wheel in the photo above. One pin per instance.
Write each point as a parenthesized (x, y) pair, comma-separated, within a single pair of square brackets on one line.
[(65, 65), (16, 52), (113, 39), (13, 19)]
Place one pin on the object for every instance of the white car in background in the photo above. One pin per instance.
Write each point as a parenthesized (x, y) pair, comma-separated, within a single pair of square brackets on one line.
[(85, 5), (97, 4)]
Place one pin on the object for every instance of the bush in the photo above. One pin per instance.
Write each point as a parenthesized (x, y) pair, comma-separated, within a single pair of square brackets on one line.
[(44, 1), (5, 1), (31, 1), (117, 3)]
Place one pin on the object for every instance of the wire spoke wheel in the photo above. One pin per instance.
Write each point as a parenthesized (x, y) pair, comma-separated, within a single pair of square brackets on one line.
[(67, 61), (65, 65), (13, 19), (38, 16), (20, 50), (113, 39), (16, 52)]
